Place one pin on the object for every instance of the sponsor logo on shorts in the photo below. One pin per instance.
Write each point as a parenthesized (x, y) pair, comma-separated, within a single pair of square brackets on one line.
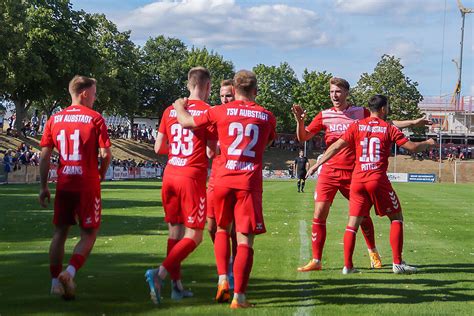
[(259, 226), (190, 219), (88, 221)]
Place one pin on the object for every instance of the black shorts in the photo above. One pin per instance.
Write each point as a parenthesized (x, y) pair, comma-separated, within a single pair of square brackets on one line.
[(301, 174)]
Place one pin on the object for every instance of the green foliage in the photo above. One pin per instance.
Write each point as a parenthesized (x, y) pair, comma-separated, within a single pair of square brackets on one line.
[(388, 79), (313, 92), (164, 73), (276, 90), (220, 69)]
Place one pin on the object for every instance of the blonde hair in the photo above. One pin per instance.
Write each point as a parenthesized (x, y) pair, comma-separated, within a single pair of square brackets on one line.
[(227, 82), (245, 81), (341, 83), (80, 83), (198, 76)]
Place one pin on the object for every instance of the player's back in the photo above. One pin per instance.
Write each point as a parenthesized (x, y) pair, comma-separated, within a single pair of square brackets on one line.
[(77, 132), (187, 148), (245, 129), (335, 123), (373, 138)]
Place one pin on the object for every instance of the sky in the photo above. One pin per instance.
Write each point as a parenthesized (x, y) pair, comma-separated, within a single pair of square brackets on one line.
[(344, 37)]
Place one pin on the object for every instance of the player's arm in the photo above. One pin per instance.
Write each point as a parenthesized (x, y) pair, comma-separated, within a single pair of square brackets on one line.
[(184, 118), (161, 144), (420, 122), (419, 146), (44, 171), (307, 165), (105, 158), (328, 154), (211, 148), (300, 114)]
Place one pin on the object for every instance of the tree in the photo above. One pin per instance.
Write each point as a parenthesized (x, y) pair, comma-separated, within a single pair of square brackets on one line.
[(276, 93), (46, 49), (220, 69), (388, 79), (313, 92), (164, 76)]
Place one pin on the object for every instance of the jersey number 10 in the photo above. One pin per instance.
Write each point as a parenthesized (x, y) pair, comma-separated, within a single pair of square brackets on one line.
[(370, 150)]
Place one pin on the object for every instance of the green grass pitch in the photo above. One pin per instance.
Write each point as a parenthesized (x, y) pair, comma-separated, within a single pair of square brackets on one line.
[(438, 240)]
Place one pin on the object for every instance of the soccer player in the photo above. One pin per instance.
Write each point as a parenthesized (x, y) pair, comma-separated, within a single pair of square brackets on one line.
[(336, 174), (184, 184), (226, 95), (371, 139), (79, 134), (245, 129), (301, 165)]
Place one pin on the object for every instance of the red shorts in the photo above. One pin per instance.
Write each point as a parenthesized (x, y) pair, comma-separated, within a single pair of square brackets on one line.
[(377, 193), (330, 181), (245, 207), (184, 200), (83, 207), (210, 202)]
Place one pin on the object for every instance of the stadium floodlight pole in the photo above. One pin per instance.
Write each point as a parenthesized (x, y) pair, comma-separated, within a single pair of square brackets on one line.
[(463, 11)]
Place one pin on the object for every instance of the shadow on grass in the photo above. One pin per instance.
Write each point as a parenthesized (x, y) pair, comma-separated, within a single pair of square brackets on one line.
[(107, 284), (128, 185), (355, 290)]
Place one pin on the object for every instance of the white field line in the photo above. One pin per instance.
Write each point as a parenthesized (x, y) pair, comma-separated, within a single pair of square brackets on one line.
[(309, 304)]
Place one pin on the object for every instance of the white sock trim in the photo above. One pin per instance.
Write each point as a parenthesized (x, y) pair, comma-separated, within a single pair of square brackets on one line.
[(71, 270)]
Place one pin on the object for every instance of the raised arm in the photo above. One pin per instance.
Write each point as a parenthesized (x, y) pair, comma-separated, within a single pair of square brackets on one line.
[(184, 118), (328, 154), (420, 122), (300, 114), (419, 146)]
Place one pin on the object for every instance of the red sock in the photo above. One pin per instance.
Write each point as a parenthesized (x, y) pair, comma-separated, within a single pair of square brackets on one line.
[(175, 272), (349, 245), (222, 251), (367, 227), (77, 261), (55, 270), (318, 237), (179, 252), (242, 267), (233, 238), (396, 240)]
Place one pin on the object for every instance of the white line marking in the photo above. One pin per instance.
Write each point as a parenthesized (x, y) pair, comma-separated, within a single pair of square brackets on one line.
[(304, 245)]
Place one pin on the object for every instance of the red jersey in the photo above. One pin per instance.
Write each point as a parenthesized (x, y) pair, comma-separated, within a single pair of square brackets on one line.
[(372, 140), (216, 164), (335, 123), (77, 132), (244, 128), (186, 148)]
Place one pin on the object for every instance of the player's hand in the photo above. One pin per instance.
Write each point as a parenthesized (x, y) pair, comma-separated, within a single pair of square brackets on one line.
[(312, 170), (180, 103), (422, 122), (43, 196), (298, 112), (431, 142)]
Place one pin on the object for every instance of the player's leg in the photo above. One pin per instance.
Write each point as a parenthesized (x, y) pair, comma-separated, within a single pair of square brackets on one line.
[(79, 256), (303, 182), (175, 234), (396, 241), (359, 208), (56, 256), (298, 184), (349, 243), (242, 268), (211, 220), (234, 244), (224, 202), (367, 226), (248, 223)]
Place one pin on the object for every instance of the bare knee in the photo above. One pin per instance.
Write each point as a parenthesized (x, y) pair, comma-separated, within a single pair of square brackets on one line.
[(321, 210)]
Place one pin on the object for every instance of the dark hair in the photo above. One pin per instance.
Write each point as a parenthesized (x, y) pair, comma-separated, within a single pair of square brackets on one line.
[(198, 76), (377, 102), (227, 83)]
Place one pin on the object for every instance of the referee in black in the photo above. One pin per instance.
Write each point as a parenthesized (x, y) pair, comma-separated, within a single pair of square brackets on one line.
[(300, 167)]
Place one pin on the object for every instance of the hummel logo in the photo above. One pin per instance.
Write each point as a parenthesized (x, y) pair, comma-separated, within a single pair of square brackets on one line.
[(201, 206), (314, 236), (202, 199), (200, 219), (190, 219), (88, 220), (259, 226), (97, 216)]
